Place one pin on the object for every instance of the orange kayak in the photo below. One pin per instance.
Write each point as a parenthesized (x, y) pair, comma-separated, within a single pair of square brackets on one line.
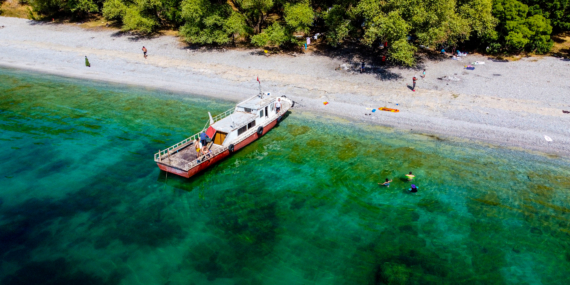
[(388, 110)]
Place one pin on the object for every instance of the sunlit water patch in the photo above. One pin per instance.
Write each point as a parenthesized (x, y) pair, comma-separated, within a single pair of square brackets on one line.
[(82, 201)]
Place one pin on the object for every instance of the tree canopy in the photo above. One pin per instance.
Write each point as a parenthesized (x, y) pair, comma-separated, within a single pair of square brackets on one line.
[(497, 26)]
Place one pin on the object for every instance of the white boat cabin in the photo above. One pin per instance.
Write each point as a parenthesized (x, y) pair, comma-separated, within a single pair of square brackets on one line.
[(247, 117)]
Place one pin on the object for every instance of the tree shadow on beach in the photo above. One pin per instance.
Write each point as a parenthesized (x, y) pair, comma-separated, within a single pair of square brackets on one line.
[(354, 54), (134, 36)]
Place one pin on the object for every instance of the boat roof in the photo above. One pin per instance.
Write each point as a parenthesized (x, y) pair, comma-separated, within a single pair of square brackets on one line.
[(256, 102), (233, 121)]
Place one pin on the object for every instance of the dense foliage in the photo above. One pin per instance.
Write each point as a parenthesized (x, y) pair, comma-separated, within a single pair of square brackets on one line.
[(498, 26)]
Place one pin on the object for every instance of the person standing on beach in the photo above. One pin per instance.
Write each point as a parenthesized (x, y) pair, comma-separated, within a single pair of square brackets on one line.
[(424, 74), (87, 62), (144, 52), (362, 67), (414, 84), (410, 176)]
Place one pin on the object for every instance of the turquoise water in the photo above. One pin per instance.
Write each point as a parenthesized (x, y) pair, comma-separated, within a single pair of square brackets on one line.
[(82, 202)]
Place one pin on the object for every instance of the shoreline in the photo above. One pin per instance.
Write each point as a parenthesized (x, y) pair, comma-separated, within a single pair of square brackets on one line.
[(479, 106)]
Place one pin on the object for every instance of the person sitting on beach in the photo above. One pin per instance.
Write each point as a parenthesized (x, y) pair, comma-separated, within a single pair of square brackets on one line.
[(443, 51), (410, 176), (387, 183), (414, 189)]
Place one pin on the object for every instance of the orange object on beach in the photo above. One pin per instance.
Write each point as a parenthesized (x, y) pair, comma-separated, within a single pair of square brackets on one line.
[(325, 103), (388, 109)]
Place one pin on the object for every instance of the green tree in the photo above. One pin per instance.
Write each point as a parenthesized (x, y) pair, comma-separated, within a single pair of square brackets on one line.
[(517, 31), (430, 23), (210, 23), (72, 7), (298, 18), (338, 24), (557, 11), (274, 35), (145, 16), (255, 12)]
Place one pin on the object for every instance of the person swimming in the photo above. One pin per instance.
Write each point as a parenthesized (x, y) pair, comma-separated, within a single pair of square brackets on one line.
[(414, 189), (387, 183), (410, 176)]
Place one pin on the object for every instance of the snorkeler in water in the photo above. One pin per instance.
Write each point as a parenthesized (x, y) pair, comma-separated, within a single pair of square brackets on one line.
[(387, 183), (414, 189)]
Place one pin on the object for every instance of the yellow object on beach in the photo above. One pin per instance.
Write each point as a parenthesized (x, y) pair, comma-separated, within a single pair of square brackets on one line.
[(265, 51), (388, 109)]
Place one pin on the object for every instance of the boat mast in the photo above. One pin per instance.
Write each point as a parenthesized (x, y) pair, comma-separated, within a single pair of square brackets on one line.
[(260, 93)]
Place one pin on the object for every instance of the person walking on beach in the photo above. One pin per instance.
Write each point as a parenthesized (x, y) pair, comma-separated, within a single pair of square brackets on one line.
[(362, 67), (414, 84), (87, 62), (410, 176), (387, 183), (144, 52)]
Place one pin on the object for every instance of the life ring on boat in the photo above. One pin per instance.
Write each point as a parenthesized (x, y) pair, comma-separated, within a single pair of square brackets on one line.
[(260, 131), (231, 148)]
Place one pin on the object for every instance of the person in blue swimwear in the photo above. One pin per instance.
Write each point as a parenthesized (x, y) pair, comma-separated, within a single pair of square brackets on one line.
[(387, 183)]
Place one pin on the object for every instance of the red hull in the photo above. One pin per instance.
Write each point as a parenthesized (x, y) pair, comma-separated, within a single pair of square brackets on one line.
[(215, 159)]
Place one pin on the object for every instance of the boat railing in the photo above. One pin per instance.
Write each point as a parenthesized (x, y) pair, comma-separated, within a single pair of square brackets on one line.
[(219, 117), (171, 150)]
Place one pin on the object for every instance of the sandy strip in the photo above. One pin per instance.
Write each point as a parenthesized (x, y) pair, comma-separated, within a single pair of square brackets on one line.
[(512, 104)]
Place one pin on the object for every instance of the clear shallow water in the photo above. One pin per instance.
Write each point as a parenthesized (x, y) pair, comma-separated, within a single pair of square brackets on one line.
[(81, 201)]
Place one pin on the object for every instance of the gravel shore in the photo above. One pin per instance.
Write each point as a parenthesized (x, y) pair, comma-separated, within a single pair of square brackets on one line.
[(508, 104)]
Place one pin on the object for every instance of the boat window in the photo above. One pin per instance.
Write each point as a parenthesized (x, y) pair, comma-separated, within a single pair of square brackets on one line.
[(261, 113), (242, 130), (251, 124), (247, 110), (271, 106)]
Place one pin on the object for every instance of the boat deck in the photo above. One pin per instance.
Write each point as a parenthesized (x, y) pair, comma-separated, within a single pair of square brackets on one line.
[(184, 157)]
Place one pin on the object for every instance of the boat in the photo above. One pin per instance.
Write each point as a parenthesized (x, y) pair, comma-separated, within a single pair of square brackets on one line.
[(228, 132)]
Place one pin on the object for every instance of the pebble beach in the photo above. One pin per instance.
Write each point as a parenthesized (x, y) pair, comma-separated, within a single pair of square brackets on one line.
[(514, 104)]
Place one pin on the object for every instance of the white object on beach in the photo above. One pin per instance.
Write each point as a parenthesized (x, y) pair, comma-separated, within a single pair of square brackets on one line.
[(478, 63), (547, 138)]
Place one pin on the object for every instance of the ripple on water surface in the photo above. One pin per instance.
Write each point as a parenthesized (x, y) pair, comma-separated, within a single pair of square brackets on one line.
[(83, 202)]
